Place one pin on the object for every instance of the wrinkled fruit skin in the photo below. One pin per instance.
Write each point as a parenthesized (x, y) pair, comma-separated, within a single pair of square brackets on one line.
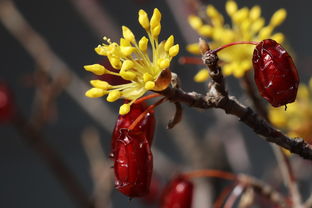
[(6, 104), (276, 75), (133, 164), (146, 126), (178, 194)]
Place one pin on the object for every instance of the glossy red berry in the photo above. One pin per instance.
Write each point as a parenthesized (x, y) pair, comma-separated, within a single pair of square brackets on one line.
[(178, 194), (6, 104), (146, 125), (276, 75), (133, 164)]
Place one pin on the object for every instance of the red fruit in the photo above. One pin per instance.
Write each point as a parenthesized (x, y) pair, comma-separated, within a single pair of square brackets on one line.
[(146, 125), (133, 163), (276, 75), (178, 194), (6, 104)]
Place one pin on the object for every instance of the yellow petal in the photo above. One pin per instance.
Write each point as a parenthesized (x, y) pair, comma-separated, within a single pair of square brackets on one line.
[(149, 85), (278, 17), (95, 69), (100, 84), (174, 50), (124, 109), (127, 64), (169, 43), (113, 96), (95, 93), (127, 34), (143, 44), (143, 19)]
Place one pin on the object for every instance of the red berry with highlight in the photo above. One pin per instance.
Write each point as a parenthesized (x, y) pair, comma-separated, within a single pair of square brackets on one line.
[(133, 164), (178, 194), (276, 75)]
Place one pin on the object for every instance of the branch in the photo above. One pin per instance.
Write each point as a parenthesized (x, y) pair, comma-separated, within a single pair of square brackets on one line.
[(217, 97)]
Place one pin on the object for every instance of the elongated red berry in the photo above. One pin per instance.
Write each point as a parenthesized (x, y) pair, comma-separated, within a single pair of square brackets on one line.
[(146, 125), (133, 164), (276, 75), (178, 194), (6, 103)]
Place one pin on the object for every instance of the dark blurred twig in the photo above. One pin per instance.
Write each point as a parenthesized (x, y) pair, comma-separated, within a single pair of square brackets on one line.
[(53, 160)]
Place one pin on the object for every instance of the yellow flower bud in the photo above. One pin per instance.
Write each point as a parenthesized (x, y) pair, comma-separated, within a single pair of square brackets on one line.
[(149, 85), (278, 17), (255, 13), (265, 32), (127, 75), (100, 50), (143, 43), (100, 84), (113, 95), (155, 20), (124, 42), (127, 64), (95, 93), (115, 62), (193, 48), (205, 30), (174, 50), (156, 30), (164, 63), (195, 21), (127, 34), (143, 19), (169, 42), (124, 109), (127, 50), (147, 77), (95, 69), (278, 37), (231, 7), (241, 15), (201, 76), (211, 11), (257, 25)]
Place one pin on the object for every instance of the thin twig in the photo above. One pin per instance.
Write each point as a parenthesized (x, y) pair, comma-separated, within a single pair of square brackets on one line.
[(217, 97), (282, 159)]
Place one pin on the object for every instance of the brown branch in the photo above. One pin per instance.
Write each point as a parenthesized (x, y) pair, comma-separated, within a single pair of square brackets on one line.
[(37, 142), (217, 97)]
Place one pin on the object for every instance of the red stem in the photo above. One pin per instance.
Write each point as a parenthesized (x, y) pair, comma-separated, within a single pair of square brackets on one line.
[(234, 43), (141, 116), (212, 174)]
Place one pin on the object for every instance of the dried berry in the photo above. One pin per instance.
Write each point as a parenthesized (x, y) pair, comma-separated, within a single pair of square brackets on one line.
[(276, 75), (133, 163), (6, 104), (178, 194), (146, 125)]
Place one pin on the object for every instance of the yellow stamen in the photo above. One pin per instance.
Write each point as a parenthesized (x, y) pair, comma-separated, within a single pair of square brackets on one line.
[(95, 93), (143, 19), (127, 34), (201, 76), (174, 50), (149, 85), (143, 44), (100, 84), (124, 109), (113, 95)]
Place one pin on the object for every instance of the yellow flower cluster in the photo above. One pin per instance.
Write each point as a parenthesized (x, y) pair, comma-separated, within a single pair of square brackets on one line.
[(246, 25), (297, 119), (133, 62)]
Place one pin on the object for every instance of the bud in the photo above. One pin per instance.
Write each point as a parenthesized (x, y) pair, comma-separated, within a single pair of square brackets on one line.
[(276, 75)]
